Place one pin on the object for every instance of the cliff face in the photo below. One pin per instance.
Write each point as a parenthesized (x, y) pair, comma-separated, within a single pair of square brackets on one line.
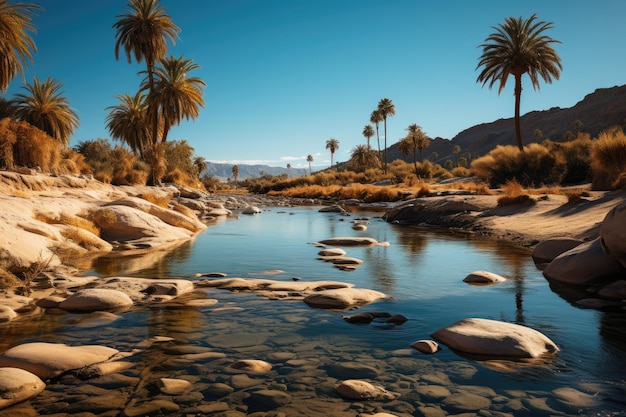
[(602, 109)]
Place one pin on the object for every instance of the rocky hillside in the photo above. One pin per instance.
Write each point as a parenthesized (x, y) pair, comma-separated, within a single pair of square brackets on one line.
[(225, 171), (604, 108)]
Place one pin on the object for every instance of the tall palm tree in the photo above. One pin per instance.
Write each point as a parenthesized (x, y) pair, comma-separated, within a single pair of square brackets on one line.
[(386, 109), (143, 33), (368, 132), (128, 122), (376, 117), (519, 47), (175, 96), (332, 145), (16, 45), (45, 107), (309, 159)]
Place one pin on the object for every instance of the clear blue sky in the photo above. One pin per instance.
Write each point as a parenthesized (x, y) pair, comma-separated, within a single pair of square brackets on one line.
[(283, 76)]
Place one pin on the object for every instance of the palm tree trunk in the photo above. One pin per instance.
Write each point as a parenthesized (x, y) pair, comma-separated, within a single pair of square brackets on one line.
[(385, 151), (380, 155), (518, 96), (414, 162)]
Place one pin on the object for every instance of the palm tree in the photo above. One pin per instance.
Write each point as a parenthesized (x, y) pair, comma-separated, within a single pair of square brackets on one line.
[(519, 47), (199, 164), (144, 33), (368, 132), (16, 45), (363, 157), (406, 146), (45, 107), (309, 159), (386, 109), (332, 144), (376, 117), (128, 123), (235, 170), (419, 139), (175, 96), (288, 170)]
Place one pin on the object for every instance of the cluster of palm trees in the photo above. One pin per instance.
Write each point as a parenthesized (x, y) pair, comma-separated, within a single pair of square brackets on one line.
[(167, 94)]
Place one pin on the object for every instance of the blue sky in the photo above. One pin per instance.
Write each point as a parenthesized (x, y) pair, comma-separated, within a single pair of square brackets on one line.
[(283, 76)]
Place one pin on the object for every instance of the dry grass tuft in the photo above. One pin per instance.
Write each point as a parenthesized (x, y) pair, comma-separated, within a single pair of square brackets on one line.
[(184, 210), (161, 200), (69, 220), (608, 160), (514, 194)]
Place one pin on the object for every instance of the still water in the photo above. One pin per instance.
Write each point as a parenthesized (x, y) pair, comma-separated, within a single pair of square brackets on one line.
[(422, 270)]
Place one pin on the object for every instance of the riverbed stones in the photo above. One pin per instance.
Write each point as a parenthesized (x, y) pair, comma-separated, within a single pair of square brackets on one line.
[(269, 399), (173, 386), (332, 252), (251, 210), (483, 278), (250, 366), (583, 264), (96, 299), (356, 389), (7, 314), (462, 402), (495, 338), (17, 385), (48, 360)]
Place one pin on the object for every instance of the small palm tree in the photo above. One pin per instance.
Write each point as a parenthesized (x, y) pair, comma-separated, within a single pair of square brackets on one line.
[(376, 117), (309, 159), (128, 123), (45, 107), (519, 47), (386, 109), (235, 171), (419, 139), (368, 132), (175, 96), (16, 45), (332, 145), (288, 170), (199, 165), (363, 157)]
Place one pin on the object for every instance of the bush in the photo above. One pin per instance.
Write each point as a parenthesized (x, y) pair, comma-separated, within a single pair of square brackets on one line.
[(514, 194), (577, 155), (608, 160), (22, 144), (535, 166)]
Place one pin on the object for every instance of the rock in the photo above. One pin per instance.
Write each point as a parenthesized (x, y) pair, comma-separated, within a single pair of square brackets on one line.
[(462, 402), (483, 277), (359, 226), (250, 366), (575, 399), (95, 319), (51, 301), (432, 393), (332, 252), (7, 314), (366, 317), (217, 212), (353, 370), (341, 260), (426, 346), (218, 390), (17, 385), (269, 399), (342, 298), (549, 249), (332, 209), (123, 223), (613, 233), (356, 389), (150, 408), (582, 265), (350, 241), (251, 210), (173, 386), (96, 299), (494, 338), (616, 289), (48, 360)]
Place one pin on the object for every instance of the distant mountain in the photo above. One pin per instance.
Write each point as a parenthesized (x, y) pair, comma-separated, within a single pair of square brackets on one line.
[(225, 171), (602, 109)]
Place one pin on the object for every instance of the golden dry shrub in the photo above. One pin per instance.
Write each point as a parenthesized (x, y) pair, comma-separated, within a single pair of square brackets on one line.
[(73, 162), (25, 145), (8, 137), (184, 210), (514, 194), (177, 176), (608, 160), (158, 199)]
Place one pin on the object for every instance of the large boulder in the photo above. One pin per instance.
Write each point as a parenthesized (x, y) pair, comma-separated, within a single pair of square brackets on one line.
[(582, 265), (48, 360), (483, 278), (495, 339), (124, 223), (549, 249), (17, 385), (613, 233), (96, 299)]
